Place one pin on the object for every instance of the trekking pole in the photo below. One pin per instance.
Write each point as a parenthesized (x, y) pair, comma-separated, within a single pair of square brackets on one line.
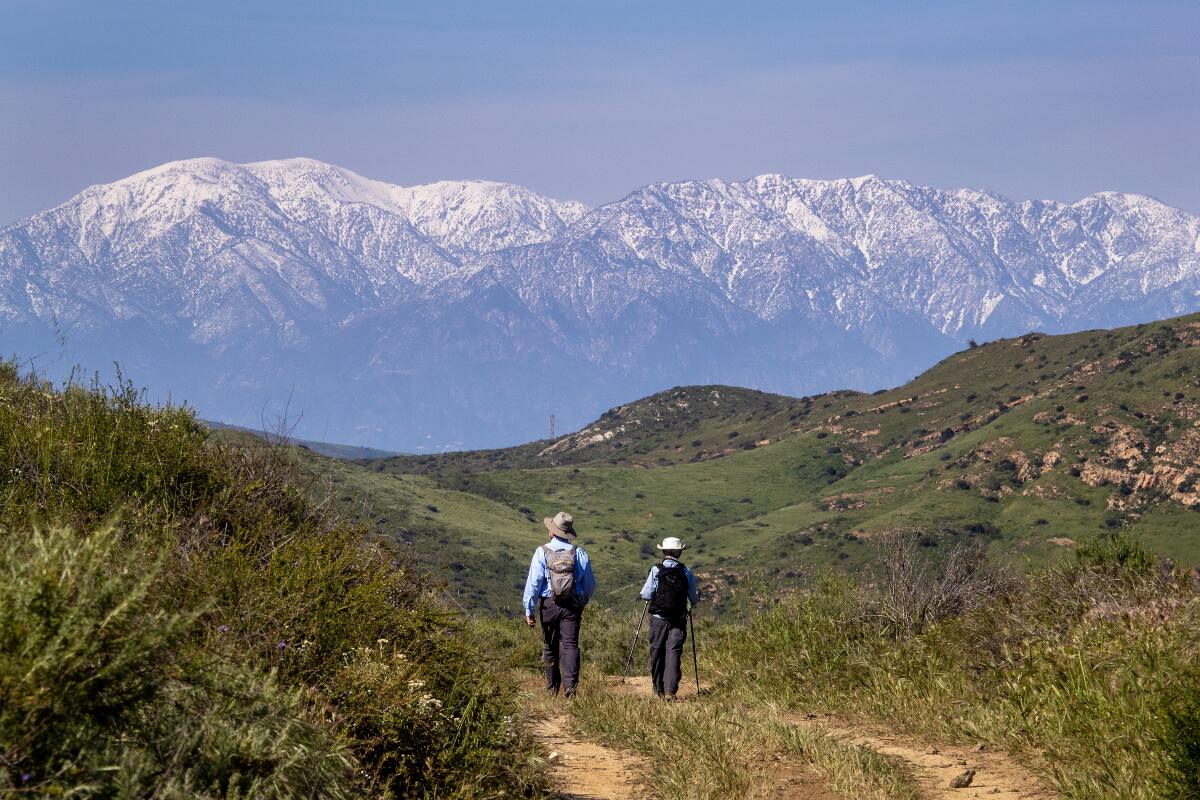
[(629, 658), (695, 661)]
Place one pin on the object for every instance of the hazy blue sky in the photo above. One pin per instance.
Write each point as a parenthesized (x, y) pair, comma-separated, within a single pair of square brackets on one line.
[(590, 100)]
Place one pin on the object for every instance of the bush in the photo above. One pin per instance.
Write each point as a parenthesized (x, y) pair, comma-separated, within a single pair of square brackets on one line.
[(1086, 669), (221, 606), (916, 590), (1180, 743), (92, 677)]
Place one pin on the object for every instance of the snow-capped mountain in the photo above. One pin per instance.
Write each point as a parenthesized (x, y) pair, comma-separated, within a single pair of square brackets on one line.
[(465, 312)]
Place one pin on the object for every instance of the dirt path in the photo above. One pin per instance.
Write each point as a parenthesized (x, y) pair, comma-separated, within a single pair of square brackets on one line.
[(584, 769), (587, 770), (641, 685), (789, 781), (996, 774)]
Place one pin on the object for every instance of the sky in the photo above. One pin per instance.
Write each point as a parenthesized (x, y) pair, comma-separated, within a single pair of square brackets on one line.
[(590, 100)]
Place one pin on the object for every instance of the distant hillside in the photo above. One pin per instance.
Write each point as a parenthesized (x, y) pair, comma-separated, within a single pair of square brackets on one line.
[(1028, 443), (636, 433), (331, 449)]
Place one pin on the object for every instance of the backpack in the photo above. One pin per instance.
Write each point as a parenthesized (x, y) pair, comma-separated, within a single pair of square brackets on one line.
[(670, 599), (561, 566)]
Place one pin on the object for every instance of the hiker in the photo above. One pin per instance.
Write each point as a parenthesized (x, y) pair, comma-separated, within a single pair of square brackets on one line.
[(670, 591), (560, 580)]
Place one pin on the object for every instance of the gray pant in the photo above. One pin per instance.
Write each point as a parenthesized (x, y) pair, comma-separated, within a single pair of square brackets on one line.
[(666, 649), (560, 645)]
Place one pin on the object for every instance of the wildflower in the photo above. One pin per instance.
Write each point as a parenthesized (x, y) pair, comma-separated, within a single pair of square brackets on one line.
[(282, 645), (416, 684), (25, 776), (223, 629)]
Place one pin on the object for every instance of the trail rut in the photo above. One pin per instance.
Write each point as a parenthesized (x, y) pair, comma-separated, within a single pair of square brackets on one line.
[(586, 770), (996, 774)]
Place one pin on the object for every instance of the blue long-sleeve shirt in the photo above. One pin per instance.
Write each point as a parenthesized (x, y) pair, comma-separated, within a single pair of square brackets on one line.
[(537, 584), (652, 582)]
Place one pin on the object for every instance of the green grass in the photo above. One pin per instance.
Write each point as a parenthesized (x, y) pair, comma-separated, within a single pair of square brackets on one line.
[(1070, 670), (178, 617), (719, 747), (941, 457)]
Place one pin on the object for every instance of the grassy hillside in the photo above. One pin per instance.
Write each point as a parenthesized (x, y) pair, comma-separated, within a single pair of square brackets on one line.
[(1027, 444), (179, 618)]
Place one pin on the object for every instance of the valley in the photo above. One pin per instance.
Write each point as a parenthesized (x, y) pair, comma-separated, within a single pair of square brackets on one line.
[(1027, 444)]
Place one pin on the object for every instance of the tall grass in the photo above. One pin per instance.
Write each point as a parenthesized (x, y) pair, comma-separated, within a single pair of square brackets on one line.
[(180, 615), (1073, 668)]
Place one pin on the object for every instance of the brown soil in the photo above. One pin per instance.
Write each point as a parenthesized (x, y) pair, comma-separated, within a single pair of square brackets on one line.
[(587, 770), (794, 783), (641, 685), (584, 769), (996, 774)]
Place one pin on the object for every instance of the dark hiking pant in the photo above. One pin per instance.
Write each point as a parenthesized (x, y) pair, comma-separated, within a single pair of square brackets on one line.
[(666, 649), (560, 645)]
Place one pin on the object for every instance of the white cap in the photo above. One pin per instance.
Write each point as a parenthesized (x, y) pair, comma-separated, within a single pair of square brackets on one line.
[(672, 543)]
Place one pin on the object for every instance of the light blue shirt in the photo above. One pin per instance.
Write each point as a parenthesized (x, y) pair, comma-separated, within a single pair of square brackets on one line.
[(537, 585), (652, 583)]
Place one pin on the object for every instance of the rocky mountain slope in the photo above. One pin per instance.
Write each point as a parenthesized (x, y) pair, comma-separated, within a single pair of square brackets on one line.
[(464, 313)]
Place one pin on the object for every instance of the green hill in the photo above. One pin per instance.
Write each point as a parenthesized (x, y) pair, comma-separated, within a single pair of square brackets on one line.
[(180, 618), (1026, 443)]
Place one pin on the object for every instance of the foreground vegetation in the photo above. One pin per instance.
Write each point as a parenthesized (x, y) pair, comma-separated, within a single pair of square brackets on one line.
[(178, 618), (1088, 668), (1084, 672)]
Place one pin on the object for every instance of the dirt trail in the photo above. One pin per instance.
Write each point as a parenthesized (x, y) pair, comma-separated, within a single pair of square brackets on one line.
[(587, 770), (996, 774), (641, 685), (789, 781)]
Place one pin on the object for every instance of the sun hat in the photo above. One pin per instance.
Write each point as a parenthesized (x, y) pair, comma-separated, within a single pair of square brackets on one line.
[(672, 543), (562, 524)]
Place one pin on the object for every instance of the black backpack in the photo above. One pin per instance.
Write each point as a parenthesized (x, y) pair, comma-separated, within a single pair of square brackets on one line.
[(670, 599)]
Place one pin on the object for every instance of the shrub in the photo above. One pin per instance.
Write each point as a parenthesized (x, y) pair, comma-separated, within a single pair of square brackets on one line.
[(232, 600), (1180, 743), (916, 590), (93, 676)]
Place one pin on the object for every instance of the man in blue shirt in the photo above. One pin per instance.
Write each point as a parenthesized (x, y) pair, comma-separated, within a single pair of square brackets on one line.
[(670, 592), (560, 581)]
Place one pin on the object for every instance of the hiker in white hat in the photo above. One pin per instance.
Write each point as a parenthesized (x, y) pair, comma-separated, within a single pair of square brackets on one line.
[(560, 581), (670, 591)]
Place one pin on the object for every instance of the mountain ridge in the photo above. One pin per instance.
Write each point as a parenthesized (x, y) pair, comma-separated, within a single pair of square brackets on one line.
[(430, 316)]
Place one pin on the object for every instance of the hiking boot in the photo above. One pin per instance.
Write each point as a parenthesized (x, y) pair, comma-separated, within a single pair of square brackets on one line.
[(569, 694), (670, 698)]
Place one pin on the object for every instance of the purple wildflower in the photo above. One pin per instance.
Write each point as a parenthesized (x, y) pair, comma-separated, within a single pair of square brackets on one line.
[(282, 645), (25, 776), (223, 629)]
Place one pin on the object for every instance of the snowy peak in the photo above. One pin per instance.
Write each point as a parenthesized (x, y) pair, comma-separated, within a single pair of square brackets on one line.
[(788, 284)]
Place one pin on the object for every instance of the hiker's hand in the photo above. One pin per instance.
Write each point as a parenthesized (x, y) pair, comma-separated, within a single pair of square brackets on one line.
[(529, 621)]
